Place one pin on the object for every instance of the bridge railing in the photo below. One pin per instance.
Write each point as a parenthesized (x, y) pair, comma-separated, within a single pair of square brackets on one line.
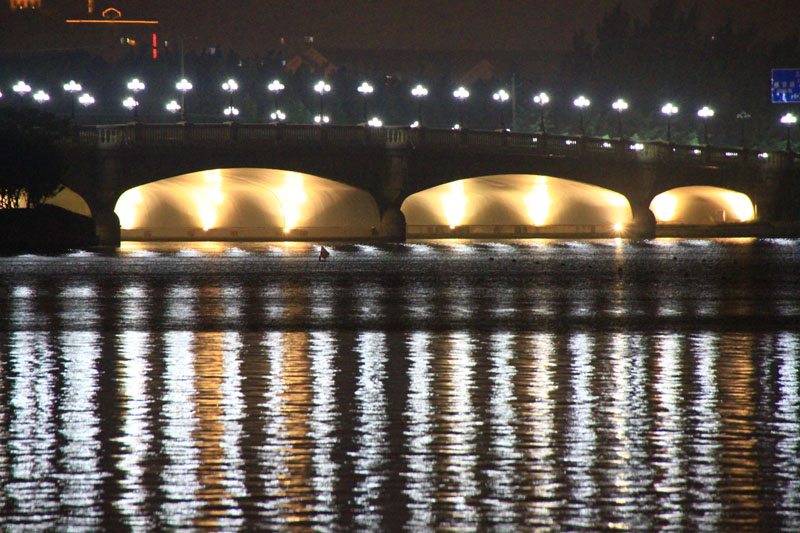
[(571, 146)]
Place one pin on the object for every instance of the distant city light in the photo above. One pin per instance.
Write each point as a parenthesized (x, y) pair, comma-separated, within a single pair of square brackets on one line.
[(365, 88)]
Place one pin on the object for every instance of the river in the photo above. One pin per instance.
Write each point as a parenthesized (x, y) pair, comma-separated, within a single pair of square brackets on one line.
[(451, 384)]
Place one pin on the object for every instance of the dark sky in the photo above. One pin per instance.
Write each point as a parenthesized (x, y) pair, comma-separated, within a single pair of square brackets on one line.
[(251, 25)]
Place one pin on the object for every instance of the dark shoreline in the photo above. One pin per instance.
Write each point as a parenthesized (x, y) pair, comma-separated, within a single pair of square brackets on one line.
[(45, 229)]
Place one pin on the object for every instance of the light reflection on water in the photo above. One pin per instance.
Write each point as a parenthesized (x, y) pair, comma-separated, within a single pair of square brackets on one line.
[(532, 384)]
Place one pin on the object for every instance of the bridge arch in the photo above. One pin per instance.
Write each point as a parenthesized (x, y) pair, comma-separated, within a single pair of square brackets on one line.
[(702, 205), (245, 204), (516, 204)]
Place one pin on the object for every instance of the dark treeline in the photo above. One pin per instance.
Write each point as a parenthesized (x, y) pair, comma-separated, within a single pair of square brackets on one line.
[(666, 58)]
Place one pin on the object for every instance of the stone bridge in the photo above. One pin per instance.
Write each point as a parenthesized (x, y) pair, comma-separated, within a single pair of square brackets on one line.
[(394, 162)]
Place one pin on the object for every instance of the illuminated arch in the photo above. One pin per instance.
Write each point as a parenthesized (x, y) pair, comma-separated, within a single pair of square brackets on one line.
[(516, 200), (245, 203), (702, 205)]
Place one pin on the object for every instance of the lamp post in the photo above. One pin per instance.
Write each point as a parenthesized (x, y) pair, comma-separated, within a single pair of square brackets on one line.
[(71, 88), (705, 113), (275, 87), (131, 103), (135, 86), (183, 86), (41, 97), (375, 122), (365, 89), (419, 92), (21, 88), (788, 120), (742, 116), (230, 87), (461, 94), (501, 97), (173, 106), (86, 100), (581, 102), (619, 106), (669, 110), (321, 87), (541, 100)]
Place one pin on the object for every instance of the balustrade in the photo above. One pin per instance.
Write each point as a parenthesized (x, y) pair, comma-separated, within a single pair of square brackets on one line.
[(481, 140)]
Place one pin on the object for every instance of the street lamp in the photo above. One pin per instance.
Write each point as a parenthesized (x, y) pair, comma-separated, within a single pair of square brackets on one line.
[(321, 87), (135, 86), (742, 116), (461, 94), (21, 88), (41, 97), (705, 113), (541, 100), (788, 119), (619, 106), (71, 88), (230, 87), (365, 89), (278, 115), (183, 86), (275, 87), (581, 102), (173, 106), (419, 92), (375, 122), (131, 103), (669, 110), (501, 97), (86, 100)]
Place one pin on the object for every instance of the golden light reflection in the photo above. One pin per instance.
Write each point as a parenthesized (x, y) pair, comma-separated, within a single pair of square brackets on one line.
[(740, 204), (664, 206), (128, 206), (208, 197), (538, 202), (454, 203), (702, 205), (291, 196), (245, 204), (508, 200)]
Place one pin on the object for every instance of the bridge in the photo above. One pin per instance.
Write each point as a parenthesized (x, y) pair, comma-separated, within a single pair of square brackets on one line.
[(392, 163)]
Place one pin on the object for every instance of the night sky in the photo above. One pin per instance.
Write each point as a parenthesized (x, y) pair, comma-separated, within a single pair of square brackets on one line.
[(254, 25)]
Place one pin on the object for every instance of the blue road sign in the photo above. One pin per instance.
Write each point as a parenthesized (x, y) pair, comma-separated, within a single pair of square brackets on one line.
[(785, 86)]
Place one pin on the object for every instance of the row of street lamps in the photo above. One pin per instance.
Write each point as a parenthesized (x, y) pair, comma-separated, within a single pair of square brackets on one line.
[(419, 92)]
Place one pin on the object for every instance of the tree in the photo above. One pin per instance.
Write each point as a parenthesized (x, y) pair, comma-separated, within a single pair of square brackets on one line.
[(31, 164)]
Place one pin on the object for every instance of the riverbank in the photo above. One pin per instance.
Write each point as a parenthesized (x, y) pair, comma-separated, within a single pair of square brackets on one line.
[(44, 229)]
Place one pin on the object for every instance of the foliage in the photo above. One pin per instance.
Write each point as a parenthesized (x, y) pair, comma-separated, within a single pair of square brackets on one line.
[(30, 163)]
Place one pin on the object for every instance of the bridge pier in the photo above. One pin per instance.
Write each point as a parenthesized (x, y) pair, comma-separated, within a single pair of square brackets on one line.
[(393, 225), (644, 222), (107, 227)]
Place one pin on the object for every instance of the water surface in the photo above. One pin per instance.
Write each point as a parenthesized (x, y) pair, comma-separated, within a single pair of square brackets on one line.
[(554, 385)]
